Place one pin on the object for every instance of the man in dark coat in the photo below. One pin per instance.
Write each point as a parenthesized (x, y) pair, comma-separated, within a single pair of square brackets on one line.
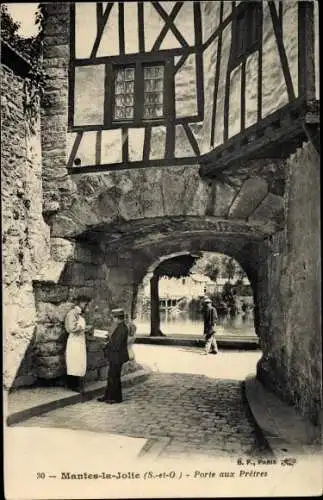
[(210, 317), (117, 354)]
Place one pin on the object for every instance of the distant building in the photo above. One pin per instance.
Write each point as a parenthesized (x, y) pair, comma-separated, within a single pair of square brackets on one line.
[(192, 286), (217, 287)]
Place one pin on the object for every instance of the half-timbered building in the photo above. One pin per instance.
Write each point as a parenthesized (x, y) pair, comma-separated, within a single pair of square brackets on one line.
[(169, 83), (166, 129)]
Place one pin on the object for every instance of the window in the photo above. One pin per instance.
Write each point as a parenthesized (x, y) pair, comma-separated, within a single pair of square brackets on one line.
[(153, 91), (246, 30), (124, 101), (139, 92)]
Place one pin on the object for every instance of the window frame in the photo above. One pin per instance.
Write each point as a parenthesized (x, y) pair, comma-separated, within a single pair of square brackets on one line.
[(250, 39), (115, 69), (168, 96)]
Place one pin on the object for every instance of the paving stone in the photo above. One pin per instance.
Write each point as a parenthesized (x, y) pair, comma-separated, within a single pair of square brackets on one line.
[(218, 427)]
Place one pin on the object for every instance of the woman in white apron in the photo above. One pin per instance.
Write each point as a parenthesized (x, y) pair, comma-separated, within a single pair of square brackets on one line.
[(131, 338), (75, 349)]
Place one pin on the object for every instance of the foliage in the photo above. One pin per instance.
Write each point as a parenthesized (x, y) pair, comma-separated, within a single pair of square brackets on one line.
[(30, 49), (176, 267), (9, 27), (230, 268), (215, 265), (209, 265)]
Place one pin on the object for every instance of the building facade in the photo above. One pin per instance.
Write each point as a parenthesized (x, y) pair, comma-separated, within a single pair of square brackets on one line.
[(174, 127)]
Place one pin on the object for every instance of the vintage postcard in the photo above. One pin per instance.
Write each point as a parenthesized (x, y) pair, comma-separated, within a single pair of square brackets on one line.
[(161, 249)]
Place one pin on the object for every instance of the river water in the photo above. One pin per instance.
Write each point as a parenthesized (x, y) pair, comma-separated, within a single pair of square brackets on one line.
[(189, 324)]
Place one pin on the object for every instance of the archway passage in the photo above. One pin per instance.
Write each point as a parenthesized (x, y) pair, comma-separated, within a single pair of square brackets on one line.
[(171, 295), (163, 247), (176, 267)]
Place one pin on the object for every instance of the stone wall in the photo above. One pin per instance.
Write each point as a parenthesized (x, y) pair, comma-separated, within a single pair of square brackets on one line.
[(80, 274), (58, 186), (289, 294), (86, 271), (25, 236)]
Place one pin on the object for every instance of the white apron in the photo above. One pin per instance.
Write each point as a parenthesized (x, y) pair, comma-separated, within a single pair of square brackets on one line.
[(131, 340), (76, 351)]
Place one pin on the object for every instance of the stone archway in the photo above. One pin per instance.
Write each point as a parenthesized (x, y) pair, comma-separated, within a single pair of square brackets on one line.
[(181, 265), (107, 263)]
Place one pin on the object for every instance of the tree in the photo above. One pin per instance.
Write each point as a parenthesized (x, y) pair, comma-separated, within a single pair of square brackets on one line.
[(209, 265), (28, 47), (213, 274), (230, 268), (9, 27)]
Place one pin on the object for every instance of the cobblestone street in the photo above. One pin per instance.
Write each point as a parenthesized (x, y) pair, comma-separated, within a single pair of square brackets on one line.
[(197, 413)]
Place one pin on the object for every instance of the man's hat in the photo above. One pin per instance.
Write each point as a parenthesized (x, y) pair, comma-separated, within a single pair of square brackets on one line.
[(118, 313), (207, 300)]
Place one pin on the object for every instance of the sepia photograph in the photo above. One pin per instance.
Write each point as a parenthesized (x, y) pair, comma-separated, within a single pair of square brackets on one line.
[(161, 251)]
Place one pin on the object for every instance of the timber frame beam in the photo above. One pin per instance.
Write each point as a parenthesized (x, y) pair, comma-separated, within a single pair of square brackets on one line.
[(278, 136)]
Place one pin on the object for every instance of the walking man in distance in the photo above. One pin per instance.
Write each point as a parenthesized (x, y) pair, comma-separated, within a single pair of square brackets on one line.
[(210, 317)]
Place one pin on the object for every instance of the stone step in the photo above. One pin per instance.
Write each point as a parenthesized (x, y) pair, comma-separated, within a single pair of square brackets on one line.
[(223, 341), (282, 426), (26, 403)]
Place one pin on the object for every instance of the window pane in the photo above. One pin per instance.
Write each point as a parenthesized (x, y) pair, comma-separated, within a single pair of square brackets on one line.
[(159, 71), (129, 112), (130, 74), (120, 76), (149, 85), (148, 72), (153, 91), (120, 100), (129, 87), (159, 111), (120, 87), (124, 94), (159, 84)]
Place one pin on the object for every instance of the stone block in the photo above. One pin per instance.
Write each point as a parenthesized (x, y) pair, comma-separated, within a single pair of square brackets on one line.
[(55, 28), (62, 250), (55, 62), (49, 367), (95, 360), (91, 376), (50, 272), (51, 293), (129, 367), (103, 373), (50, 348), (81, 291), (24, 381), (224, 195), (95, 344), (268, 208), (52, 313), (78, 274), (252, 192), (84, 254), (47, 332), (56, 51)]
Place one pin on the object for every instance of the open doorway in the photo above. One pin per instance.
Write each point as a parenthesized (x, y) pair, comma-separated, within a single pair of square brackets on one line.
[(216, 275)]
